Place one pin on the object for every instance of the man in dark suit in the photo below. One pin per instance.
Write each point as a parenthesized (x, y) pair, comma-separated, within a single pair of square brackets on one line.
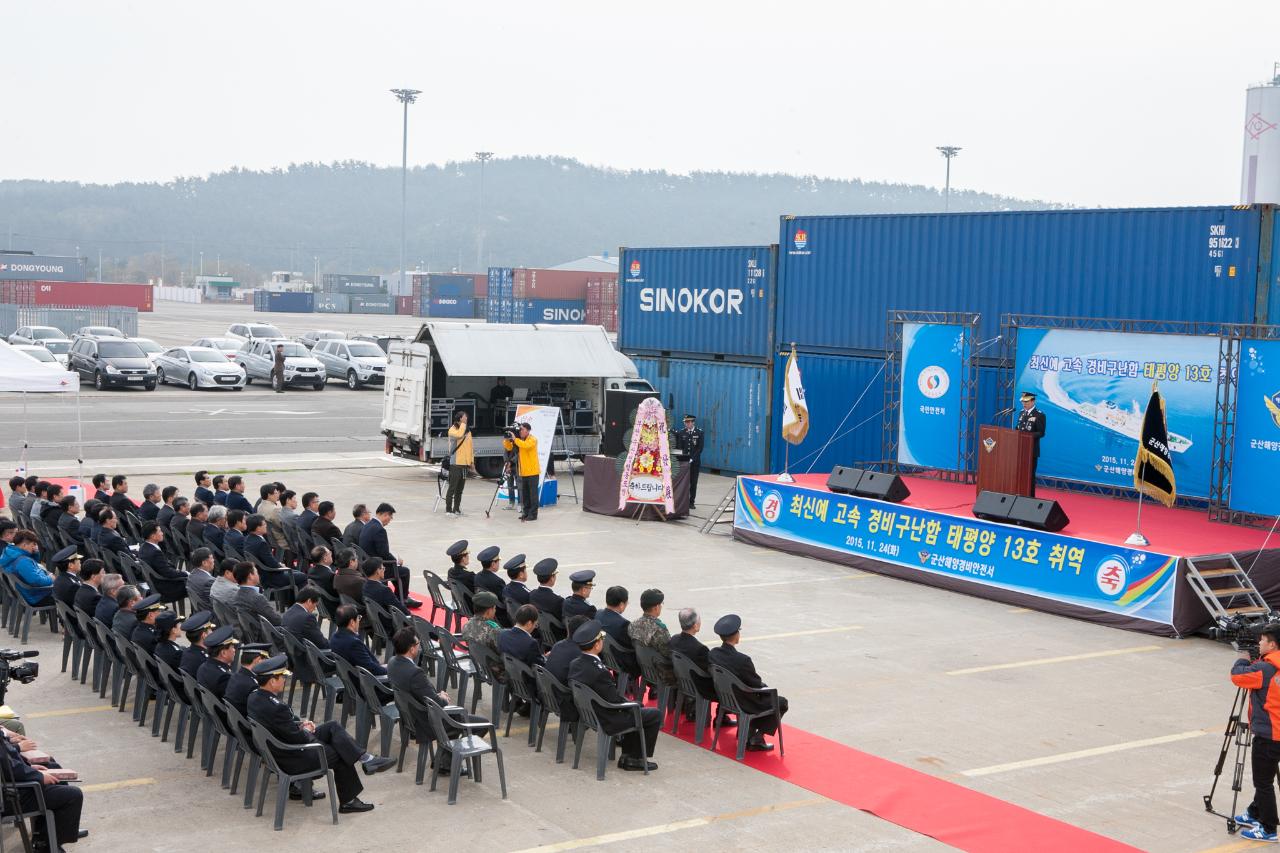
[(92, 573), (150, 502), (64, 802), (88, 529), (1032, 420), (120, 500), (99, 486), (559, 659), (581, 584), (616, 625), (360, 517), (346, 642), (519, 573), (375, 588), (544, 597), (235, 495), (255, 545), (519, 641), (66, 581), (109, 537), (203, 492), (171, 583), (236, 526), (310, 511), (300, 621), (349, 579), (341, 752), (200, 579), (487, 579), (373, 541), (321, 571), (107, 607), (181, 515), (215, 528), (125, 619), (406, 676), (220, 490), (199, 515), (323, 525), (67, 522), (688, 644), (726, 655), (590, 672), (197, 627), (164, 512), (250, 603)]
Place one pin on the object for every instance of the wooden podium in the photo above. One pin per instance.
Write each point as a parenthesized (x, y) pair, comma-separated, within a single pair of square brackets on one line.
[(1004, 460)]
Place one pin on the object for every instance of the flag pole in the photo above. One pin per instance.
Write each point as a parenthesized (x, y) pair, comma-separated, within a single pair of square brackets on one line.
[(785, 476), (1136, 537)]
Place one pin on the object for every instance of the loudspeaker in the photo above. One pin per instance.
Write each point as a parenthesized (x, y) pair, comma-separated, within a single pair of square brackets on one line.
[(844, 481), (882, 487), (1042, 515), (993, 506)]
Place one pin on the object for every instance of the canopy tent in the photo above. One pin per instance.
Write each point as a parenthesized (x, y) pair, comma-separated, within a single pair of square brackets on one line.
[(495, 349), (21, 373)]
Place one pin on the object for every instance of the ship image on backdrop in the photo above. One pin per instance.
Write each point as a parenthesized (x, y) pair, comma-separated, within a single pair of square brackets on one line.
[(1089, 385), (795, 417), (646, 472)]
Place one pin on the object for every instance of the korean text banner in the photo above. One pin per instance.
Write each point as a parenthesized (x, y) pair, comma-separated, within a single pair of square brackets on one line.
[(1256, 456), (933, 363), (1092, 387), (1109, 578)]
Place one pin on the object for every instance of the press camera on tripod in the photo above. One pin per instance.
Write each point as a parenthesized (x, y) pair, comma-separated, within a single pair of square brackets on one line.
[(23, 673), (1242, 632)]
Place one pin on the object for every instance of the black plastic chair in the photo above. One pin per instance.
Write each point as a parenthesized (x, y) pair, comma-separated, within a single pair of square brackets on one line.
[(409, 733), (436, 586), (248, 749), (13, 811), (687, 673), (268, 745), (469, 747), (523, 684), (24, 611), (456, 665), (380, 624), (461, 601), (728, 688), (188, 719), (553, 692), (217, 728), (649, 660), (328, 684), (73, 642), (485, 661), (94, 654), (550, 630), (382, 708), (429, 657), (587, 701), (609, 657)]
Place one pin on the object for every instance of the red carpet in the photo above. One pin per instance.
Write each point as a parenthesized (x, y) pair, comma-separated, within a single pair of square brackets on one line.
[(1180, 532)]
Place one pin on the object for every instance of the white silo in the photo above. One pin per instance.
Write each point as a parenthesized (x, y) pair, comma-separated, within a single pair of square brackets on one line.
[(1260, 168)]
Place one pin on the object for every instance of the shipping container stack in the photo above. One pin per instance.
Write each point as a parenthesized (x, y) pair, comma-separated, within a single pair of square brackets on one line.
[(500, 305), (602, 304), (447, 295), (698, 324), (77, 293)]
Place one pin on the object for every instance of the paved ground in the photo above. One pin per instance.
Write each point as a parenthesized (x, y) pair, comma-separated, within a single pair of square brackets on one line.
[(1112, 731)]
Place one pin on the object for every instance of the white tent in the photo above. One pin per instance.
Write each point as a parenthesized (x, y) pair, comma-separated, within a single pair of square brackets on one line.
[(21, 372)]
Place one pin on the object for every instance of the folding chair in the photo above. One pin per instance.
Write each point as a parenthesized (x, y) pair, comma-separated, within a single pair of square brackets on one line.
[(728, 688)]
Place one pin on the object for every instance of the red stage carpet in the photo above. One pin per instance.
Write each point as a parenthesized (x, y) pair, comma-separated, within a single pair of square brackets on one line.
[(1181, 532), (953, 814)]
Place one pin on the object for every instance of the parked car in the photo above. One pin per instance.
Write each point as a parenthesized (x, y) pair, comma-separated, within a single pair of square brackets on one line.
[(383, 341), (98, 332), (150, 347), (60, 347), (34, 334), (227, 346), (252, 331), (198, 367), (309, 339), (257, 357), (358, 362), (37, 352), (112, 361)]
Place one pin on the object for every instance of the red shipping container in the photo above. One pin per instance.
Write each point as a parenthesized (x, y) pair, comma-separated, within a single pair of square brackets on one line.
[(482, 284), (554, 284), (93, 294), (404, 304), (18, 292)]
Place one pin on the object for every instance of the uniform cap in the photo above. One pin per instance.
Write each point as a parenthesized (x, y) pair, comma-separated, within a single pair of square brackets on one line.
[(278, 665), (727, 626), (651, 598), (584, 576), (483, 600), (690, 418), (224, 636), (490, 553), (1028, 395), (514, 563), (252, 652), (546, 567), (198, 621), (66, 555), (457, 549), (588, 633), (166, 620), (151, 602)]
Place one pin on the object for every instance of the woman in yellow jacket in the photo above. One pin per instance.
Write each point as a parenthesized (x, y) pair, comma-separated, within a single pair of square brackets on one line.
[(528, 470), (460, 464)]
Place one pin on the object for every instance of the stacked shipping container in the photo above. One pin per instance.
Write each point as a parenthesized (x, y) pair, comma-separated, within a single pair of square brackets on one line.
[(88, 293), (525, 295), (602, 304)]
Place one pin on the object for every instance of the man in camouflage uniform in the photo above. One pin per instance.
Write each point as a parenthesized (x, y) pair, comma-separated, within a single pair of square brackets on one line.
[(482, 629), (649, 631)]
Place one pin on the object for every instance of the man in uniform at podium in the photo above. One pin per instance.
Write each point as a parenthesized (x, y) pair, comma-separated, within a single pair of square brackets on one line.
[(1032, 420)]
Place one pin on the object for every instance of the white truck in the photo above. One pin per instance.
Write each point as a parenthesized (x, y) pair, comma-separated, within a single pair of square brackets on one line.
[(451, 366)]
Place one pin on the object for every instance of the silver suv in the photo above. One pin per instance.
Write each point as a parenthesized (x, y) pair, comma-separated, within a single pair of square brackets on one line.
[(358, 362), (257, 357)]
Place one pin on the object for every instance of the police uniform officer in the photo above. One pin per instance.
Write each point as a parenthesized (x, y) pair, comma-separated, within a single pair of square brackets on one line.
[(728, 628), (243, 682), (460, 555), (689, 441), (1032, 420), (544, 597), (167, 650), (576, 604), (197, 627), (590, 672), (67, 582), (144, 634), (515, 588), (487, 580), (214, 674)]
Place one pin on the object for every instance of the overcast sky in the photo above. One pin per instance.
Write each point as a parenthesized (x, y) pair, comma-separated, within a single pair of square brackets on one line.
[(1090, 103)]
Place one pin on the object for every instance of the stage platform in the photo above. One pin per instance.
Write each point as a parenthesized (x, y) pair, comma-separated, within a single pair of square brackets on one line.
[(1085, 570)]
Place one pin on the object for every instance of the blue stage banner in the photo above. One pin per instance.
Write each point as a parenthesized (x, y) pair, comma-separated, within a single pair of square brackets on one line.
[(1255, 458), (1103, 577), (1092, 387), (930, 430)]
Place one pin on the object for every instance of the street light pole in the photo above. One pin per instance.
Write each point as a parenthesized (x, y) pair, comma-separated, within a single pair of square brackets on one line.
[(483, 157), (948, 151), (406, 97)]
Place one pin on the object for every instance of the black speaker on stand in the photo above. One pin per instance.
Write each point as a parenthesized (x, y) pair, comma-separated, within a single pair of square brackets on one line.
[(844, 481), (1027, 512), (868, 484)]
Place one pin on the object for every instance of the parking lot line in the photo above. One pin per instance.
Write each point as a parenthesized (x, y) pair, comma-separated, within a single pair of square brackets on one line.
[(1132, 650), (785, 583), (1081, 753), (116, 786), (66, 712), (753, 637), (674, 826)]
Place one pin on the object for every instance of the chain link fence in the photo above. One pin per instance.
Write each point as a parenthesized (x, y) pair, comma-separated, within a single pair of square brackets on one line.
[(67, 320)]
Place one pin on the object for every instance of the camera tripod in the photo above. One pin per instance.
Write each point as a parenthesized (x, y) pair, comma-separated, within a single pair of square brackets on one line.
[(1239, 735)]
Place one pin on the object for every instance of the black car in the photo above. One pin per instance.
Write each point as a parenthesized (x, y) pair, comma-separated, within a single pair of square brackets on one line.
[(112, 362)]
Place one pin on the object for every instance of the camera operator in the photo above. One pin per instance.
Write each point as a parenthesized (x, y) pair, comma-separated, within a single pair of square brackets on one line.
[(1258, 676), (526, 448), (461, 459)]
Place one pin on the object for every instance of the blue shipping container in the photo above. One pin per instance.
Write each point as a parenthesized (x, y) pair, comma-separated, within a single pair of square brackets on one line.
[(289, 302), (440, 285), (500, 281), (839, 276), (377, 304), (731, 402), (560, 311), (332, 303), (449, 306), (846, 397), (1271, 273), (705, 302)]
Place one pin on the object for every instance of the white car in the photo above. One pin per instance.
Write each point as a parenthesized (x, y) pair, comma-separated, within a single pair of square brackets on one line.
[(257, 357), (227, 346), (34, 334), (98, 332), (60, 347), (252, 331), (198, 367), (150, 347), (315, 336), (39, 353)]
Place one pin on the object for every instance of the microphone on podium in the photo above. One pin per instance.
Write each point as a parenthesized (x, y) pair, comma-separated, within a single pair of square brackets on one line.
[(1004, 412)]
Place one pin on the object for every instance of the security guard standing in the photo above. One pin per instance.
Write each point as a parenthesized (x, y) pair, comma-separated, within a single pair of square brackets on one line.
[(1032, 420), (689, 441)]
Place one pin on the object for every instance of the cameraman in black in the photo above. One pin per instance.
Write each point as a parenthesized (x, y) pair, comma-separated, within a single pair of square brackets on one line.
[(1258, 676)]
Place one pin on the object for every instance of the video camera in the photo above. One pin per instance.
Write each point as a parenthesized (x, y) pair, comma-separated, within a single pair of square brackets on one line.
[(1242, 632)]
